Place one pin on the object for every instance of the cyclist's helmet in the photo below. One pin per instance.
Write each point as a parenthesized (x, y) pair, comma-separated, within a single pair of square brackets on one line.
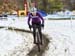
[(33, 10)]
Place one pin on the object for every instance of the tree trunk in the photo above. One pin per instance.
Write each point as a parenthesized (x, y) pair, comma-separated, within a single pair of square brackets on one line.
[(45, 5)]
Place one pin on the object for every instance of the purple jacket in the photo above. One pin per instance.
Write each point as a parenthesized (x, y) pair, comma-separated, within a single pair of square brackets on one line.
[(35, 19)]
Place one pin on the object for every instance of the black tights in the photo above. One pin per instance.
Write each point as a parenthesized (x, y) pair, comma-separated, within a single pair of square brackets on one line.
[(34, 31)]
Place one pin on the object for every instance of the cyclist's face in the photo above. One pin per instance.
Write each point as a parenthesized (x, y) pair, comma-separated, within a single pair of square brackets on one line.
[(34, 13)]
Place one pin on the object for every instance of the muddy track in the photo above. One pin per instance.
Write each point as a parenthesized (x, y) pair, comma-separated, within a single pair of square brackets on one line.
[(34, 51)]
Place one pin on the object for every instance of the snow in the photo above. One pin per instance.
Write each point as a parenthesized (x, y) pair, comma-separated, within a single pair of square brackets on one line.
[(7, 42), (57, 16), (15, 43), (61, 34)]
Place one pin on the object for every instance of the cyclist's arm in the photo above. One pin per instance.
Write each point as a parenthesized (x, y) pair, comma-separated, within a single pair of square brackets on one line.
[(41, 17), (29, 19)]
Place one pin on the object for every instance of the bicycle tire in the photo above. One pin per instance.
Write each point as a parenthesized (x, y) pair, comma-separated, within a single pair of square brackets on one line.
[(38, 41)]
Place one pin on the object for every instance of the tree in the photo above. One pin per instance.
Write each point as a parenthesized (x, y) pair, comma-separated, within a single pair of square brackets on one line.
[(50, 5)]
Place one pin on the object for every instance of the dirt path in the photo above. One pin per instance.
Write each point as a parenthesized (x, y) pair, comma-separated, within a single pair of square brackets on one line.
[(34, 51)]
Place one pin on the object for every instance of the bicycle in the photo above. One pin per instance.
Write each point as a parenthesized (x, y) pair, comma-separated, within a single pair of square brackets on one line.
[(37, 39)]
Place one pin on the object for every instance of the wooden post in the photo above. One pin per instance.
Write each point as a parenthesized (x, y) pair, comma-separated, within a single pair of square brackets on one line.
[(25, 7)]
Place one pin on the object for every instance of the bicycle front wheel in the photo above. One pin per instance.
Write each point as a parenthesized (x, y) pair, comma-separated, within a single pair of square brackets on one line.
[(38, 41)]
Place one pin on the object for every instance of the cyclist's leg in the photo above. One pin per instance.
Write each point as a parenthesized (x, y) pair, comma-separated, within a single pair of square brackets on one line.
[(40, 33), (34, 33)]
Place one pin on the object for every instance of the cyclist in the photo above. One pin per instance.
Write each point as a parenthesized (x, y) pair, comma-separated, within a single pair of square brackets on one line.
[(36, 19)]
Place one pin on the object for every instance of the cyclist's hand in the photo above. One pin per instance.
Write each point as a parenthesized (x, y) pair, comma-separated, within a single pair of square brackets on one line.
[(30, 27), (42, 25)]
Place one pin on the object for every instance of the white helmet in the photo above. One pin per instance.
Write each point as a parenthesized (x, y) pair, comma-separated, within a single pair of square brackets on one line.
[(33, 10)]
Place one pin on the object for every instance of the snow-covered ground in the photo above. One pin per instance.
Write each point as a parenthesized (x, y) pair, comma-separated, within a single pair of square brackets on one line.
[(61, 33), (14, 43)]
